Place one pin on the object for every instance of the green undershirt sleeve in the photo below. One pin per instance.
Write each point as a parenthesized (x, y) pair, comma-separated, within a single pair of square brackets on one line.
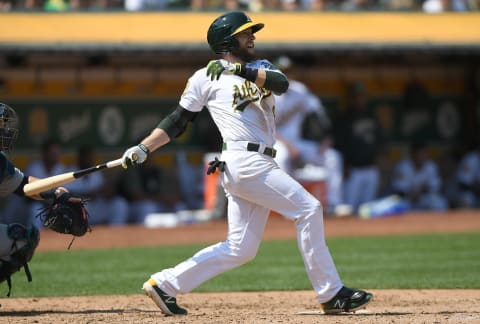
[(176, 122)]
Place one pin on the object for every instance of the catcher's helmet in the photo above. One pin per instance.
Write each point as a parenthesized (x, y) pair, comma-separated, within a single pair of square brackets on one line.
[(221, 33), (8, 127)]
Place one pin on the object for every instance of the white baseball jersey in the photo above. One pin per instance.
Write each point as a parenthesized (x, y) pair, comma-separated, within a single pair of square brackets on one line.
[(241, 110)]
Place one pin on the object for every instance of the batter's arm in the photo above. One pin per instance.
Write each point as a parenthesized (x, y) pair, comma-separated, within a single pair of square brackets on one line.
[(274, 81), (173, 125), (156, 139)]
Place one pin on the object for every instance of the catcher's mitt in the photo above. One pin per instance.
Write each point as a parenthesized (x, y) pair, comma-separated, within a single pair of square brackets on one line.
[(66, 215), (17, 243)]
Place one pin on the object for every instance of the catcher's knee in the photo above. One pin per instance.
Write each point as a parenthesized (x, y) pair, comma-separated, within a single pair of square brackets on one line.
[(17, 246), (5, 241), (14, 237)]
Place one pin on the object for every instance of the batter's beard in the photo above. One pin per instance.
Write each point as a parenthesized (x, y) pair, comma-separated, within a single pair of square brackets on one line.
[(244, 54)]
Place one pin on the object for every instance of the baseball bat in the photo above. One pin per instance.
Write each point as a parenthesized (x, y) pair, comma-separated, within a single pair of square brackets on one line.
[(41, 185)]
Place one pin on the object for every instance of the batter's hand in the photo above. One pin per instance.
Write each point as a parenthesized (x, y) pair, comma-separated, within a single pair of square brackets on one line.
[(134, 156), (216, 67)]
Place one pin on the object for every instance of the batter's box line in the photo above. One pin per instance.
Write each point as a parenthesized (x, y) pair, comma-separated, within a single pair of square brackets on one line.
[(362, 312)]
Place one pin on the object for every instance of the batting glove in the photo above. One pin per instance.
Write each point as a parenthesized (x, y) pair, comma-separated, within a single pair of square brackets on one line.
[(216, 67), (134, 156)]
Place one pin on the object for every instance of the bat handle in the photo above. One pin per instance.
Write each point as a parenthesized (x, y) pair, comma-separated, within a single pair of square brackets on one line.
[(114, 163)]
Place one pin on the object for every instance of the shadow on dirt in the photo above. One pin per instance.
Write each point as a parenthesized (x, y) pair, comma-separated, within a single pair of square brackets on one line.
[(72, 312)]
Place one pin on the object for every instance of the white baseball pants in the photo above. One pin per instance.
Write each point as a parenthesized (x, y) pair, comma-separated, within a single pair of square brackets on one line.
[(255, 185)]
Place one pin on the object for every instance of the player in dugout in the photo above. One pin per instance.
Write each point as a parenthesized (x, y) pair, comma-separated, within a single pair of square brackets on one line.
[(237, 90)]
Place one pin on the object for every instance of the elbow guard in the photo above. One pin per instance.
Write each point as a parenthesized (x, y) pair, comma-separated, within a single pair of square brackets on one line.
[(276, 82), (176, 122)]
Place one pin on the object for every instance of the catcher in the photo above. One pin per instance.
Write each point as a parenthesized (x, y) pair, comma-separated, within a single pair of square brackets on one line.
[(66, 214)]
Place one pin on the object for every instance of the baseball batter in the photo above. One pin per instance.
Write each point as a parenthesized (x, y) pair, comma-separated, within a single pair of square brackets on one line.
[(238, 92)]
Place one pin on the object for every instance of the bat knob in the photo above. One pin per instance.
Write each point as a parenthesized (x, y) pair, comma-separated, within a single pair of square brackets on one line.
[(135, 157)]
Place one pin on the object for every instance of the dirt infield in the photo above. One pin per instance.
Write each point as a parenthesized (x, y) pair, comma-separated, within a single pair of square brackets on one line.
[(388, 306)]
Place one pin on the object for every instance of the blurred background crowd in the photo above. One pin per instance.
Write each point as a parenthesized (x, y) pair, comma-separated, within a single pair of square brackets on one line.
[(429, 6), (345, 157), (371, 129)]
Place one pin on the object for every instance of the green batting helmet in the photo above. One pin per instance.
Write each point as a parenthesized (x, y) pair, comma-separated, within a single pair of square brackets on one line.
[(221, 33)]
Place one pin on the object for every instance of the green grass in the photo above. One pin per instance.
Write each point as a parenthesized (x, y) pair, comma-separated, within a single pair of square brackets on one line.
[(419, 261)]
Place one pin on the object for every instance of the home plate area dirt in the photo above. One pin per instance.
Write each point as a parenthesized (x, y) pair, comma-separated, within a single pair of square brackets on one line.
[(388, 306)]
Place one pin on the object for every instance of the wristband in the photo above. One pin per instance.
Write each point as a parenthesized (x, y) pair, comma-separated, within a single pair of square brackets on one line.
[(246, 73), (144, 148)]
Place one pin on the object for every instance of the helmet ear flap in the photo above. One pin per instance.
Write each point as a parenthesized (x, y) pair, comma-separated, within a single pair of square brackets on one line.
[(229, 43), (233, 43)]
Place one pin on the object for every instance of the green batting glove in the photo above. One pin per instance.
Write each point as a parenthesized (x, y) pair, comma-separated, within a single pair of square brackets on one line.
[(216, 67)]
